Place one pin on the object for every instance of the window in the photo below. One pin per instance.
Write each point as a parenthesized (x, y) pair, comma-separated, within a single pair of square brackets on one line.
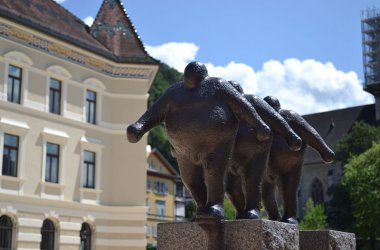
[(152, 166), (52, 162), (179, 190), (148, 231), (89, 169), (317, 191), (85, 237), (10, 155), (90, 106), (148, 186), (147, 203), (161, 187), (6, 230), (48, 235), (14, 84), (160, 208), (55, 96), (155, 231)]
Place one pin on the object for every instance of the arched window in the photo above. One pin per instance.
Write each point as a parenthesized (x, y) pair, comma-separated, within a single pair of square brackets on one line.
[(317, 191), (48, 235), (85, 237), (6, 228)]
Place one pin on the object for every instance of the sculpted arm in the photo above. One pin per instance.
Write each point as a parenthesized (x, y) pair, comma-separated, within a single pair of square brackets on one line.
[(243, 110), (151, 118), (311, 137), (275, 121)]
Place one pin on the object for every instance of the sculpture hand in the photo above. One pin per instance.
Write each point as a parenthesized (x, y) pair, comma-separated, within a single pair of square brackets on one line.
[(329, 156), (294, 142), (135, 132), (263, 133)]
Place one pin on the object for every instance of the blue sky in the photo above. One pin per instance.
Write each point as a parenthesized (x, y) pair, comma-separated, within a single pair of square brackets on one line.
[(307, 53)]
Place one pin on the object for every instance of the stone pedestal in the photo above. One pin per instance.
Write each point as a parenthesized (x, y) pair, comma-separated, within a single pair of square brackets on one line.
[(326, 239), (241, 234)]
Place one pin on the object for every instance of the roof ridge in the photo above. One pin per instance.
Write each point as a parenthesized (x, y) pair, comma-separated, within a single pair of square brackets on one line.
[(115, 30)]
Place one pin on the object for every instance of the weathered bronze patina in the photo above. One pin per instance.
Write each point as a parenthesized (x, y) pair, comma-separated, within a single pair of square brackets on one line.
[(285, 165)]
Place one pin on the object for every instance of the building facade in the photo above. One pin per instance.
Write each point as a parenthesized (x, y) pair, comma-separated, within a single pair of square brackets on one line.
[(67, 93), (165, 194)]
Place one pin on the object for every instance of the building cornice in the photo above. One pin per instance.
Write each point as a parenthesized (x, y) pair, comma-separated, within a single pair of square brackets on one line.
[(15, 33)]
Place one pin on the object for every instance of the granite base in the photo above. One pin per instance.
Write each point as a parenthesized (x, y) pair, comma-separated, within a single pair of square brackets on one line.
[(326, 240)]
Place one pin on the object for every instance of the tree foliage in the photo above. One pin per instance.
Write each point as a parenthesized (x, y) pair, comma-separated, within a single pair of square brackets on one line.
[(358, 140), (157, 137), (315, 217), (229, 209), (362, 181)]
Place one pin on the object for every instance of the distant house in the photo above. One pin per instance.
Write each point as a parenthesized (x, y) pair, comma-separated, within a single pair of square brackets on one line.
[(317, 177), (165, 194), (69, 178)]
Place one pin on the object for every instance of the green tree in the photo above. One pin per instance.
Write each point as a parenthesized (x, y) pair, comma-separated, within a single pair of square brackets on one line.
[(362, 181), (229, 209), (315, 217), (190, 210), (358, 140), (157, 137)]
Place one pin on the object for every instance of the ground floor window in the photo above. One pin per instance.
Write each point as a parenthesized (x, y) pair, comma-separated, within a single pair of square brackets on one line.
[(6, 230)]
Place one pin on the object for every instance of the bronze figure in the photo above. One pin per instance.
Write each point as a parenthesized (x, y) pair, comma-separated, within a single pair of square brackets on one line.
[(201, 116), (250, 158), (285, 165)]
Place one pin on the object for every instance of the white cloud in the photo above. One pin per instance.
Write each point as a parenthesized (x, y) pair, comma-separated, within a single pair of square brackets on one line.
[(60, 1), (88, 20), (306, 86), (177, 55)]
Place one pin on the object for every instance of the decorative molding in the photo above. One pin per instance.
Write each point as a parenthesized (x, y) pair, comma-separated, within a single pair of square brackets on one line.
[(56, 136), (18, 35), (94, 83), (13, 126), (59, 71), (35, 105), (18, 57), (73, 116)]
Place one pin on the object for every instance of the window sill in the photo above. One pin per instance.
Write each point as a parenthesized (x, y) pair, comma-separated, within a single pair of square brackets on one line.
[(52, 190), (90, 195), (12, 179), (11, 184), (90, 190)]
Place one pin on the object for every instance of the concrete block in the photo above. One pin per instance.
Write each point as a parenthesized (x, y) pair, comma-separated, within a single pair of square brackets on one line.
[(326, 240)]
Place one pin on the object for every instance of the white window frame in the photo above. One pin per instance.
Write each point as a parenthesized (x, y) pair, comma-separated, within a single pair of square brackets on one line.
[(155, 231), (50, 135), (63, 75), (22, 61), (20, 129), (96, 146), (148, 231), (98, 87)]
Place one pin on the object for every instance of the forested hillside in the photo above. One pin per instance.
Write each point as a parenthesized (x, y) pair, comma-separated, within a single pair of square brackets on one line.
[(157, 138)]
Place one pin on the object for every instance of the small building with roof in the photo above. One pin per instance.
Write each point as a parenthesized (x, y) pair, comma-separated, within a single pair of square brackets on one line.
[(165, 194)]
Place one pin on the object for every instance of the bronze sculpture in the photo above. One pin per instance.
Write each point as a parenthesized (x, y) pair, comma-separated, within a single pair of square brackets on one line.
[(284, 167), (201, 116), (250, 158)]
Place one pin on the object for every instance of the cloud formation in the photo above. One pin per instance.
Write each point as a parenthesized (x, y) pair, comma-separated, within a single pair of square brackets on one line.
[(89, 20), (176, 55), (60, 1), (306, 86)]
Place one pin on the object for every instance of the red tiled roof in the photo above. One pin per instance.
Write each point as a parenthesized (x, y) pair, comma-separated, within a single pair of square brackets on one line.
[(114, 30), (51, 18)]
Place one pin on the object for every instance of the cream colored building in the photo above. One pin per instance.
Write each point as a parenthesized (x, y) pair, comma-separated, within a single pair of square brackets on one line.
[(70, 179)]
